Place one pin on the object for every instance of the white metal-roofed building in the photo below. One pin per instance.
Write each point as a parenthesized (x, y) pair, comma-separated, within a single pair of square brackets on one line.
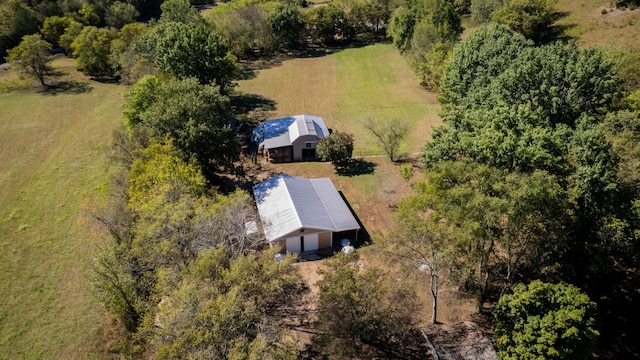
[(292, 138), (301, 215)]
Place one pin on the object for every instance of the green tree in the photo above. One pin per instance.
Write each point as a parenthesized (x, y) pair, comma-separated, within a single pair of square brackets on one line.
[(337, 148), (32, 55), (69, 35), (542, 320), (53, 28), (623, 131), (92, 48), (114, 286), (327, 24), (528, 17), (358, 305), (421, 243), (16, 21), (180, 11), (476, 61), (390, 134), (227, 308), (120, 14), (195, 116), (245, 30), (287, 25), (123, 55), (482, 10), (186, 51)]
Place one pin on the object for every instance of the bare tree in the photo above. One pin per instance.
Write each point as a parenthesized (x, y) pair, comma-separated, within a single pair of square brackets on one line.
[(390, 133)]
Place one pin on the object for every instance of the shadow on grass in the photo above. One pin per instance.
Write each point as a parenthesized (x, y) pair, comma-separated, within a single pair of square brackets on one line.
[(356, 167), (556, 32), (244, 103), (67, 87), (251, 66)]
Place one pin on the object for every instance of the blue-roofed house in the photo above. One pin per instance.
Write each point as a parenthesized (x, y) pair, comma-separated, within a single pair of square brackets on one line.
[(292, 138), (303, 215)]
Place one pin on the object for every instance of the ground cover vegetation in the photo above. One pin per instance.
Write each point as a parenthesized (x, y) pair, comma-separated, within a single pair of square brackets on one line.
[(531, 176)]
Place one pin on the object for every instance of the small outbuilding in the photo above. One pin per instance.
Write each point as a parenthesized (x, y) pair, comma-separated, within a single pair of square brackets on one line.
[(292, 138), (303, 215)]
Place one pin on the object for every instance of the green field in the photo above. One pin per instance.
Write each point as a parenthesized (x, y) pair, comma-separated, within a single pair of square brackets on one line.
[(348, 86), (52, 147)]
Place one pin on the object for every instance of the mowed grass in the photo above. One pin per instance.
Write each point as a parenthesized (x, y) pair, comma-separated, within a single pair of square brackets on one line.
[(52, 147), (585, 22), (348, 86)]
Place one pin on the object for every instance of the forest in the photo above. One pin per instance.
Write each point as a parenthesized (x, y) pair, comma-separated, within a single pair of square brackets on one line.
[(526, 201)]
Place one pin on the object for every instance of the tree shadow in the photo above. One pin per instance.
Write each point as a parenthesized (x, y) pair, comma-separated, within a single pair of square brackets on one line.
[(251, 108), (251, 66), (67, 87), (355, 167), (556, 32)]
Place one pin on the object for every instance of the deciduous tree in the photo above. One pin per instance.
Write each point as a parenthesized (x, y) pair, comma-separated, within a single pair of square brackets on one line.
[(32, 56), (92, 48), (337, 148), (358, 305), (543, 320), (389, 133), (194, 51)]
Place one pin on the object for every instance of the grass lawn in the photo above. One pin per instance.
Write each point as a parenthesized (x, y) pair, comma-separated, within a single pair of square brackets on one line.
[(348, 86), (52, 146)]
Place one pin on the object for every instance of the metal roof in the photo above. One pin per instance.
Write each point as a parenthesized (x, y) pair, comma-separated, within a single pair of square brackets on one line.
[(289, 203), (281, 132)]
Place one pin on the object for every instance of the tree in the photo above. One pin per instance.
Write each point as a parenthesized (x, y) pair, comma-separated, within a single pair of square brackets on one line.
[(476, 61), (422, 243), (482, 10), (92, 48), (69, 35), (180, 11), (186, 51), (16, 21), (123, 56), (358, 305), (226, 308), (53, 28), (114, 287), (528, 17), (195, 116), (426, 32), (390, 134), (327, 24), (120, 14), (337, 148), (245, 30), (287, 25), (32, 55), (542, 320)]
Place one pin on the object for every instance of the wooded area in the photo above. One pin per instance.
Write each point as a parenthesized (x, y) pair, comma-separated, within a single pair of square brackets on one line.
[(528, 205)]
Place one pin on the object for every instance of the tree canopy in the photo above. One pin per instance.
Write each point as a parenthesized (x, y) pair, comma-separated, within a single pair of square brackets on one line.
[(195, 116), (542, 320), (32, 56)]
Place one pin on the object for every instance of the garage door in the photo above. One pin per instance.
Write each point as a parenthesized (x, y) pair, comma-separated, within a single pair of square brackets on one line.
[(293, 244), (310, 242)]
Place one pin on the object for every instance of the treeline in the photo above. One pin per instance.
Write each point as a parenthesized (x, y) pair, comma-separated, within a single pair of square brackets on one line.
[(108, 41), (533, 175)]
